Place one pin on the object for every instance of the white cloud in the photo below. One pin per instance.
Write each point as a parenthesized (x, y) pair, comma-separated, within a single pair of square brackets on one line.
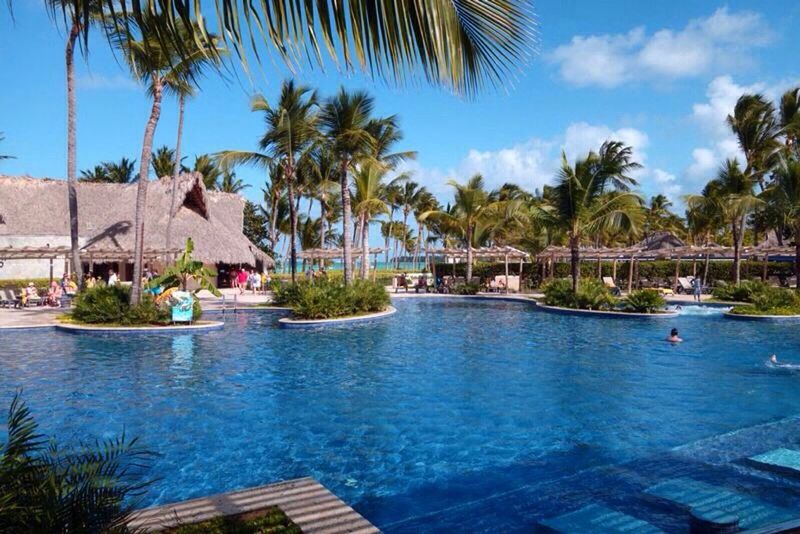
[(530, 164), (101, 82), (720, 42), (667, 184)]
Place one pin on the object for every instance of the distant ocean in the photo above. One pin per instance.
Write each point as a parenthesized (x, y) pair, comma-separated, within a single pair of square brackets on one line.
[(381, 266)]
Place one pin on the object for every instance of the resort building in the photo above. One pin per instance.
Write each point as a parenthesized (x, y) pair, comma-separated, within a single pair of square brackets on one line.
[(35, 235)]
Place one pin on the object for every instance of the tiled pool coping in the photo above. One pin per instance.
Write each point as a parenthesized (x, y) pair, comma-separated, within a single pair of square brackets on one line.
[(306, 502)]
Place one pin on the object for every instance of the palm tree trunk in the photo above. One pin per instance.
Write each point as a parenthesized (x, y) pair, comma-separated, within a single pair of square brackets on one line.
[(72, 191), (797, 255), (365, 248), (273, 231), (176, 171), (141, 191), (347, 224), (736, 252), (323, 213), (575, 262), (292, 219), (389, 234), (469, 253)]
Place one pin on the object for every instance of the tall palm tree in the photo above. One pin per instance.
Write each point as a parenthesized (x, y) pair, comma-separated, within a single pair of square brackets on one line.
[(784, 192), (471, 204), (345, 120), (754, 124), (659, 218), (183, 83), (730, 196), (154, 61), (291, 133), (464, 45), (323, 171), (79, 18), (368, 201), (790, 118), (393, 192), (231, 184), (410, 195), (593, 195)]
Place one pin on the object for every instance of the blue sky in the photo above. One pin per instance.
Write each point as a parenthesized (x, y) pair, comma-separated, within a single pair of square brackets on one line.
[(658, 75)]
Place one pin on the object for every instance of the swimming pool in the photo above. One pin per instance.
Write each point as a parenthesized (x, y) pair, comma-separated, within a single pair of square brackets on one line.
[(418, 419)]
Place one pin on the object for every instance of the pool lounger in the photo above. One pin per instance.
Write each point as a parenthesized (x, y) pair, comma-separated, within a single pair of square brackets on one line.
[(782, 461), (710, 502), (596, 518)]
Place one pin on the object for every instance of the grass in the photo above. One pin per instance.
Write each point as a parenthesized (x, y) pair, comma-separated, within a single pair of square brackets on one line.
[(270, 521)]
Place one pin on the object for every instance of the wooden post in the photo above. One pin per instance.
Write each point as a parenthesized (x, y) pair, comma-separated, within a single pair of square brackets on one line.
[(677, 274), (614, 270), (694, 267), (51, 271), (630, 274), (638, 274), (599, 267), (766, 264)]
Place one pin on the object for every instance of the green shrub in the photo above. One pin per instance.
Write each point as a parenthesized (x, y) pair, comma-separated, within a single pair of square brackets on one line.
[(744, 292), (645, 301), (467, 289), (592, 295), (325, 299), (559, 293), (102, 304)]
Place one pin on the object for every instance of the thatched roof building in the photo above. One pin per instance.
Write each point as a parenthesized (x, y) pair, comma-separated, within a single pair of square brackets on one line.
[(33, 211)]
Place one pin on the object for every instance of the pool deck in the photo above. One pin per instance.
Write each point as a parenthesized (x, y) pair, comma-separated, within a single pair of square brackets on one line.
[(305, 501)]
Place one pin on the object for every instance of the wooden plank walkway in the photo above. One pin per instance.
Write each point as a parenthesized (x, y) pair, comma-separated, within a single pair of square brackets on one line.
[(305, 501)]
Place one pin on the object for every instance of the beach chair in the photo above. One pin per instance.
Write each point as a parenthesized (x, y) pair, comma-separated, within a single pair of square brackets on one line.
[(609, 283), (684, 285), (7, 298)]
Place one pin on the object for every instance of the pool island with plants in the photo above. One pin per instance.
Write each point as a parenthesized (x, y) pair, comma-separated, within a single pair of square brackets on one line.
[(596, 298), (332, 301), (759, 300)]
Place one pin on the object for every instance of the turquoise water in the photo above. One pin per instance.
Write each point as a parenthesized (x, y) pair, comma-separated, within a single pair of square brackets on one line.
[(417, 419)]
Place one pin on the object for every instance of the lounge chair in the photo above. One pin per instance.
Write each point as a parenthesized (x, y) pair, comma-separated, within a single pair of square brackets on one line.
[(609, 282), (7, 298), (684, 285)]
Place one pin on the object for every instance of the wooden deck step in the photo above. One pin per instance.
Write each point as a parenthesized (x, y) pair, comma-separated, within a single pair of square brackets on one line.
[(305, 501)]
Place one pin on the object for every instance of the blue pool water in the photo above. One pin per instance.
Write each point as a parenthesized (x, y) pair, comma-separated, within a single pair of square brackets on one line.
[(417, 419)]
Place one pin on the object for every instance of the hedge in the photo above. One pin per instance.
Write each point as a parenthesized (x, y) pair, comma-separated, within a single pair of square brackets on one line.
[(718, 270)]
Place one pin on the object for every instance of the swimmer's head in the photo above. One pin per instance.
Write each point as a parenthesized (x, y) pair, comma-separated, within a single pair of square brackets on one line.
[(674, 332)]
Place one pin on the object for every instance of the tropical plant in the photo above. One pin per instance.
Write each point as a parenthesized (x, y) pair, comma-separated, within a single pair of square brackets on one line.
[(346, 120), (730, 196), (290, 134), (163, 161), (255, 226), (231, 184), (784, 195), (324, 299), (324, 182), (208, 168), (159, 64), (592, 196), (659, 218), (368, 201), (476, 44), (45, 488), (184, 270), (111, 172), (645, 301), (790, 119), (754, 124)]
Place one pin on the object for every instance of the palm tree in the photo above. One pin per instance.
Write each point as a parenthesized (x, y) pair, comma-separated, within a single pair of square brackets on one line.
[(79, 20), (163, 161), (659, 218), (592, 196), (368, 201), (392, 193), (754, 124), (231, 184), (730, 196), (410, 195), (472, 204), (182, 82), (345, 120), (111, 172), (324, 180), (790, 118), (209, 169), (291, 132), (784, 193), (464, 45), (156, 62)]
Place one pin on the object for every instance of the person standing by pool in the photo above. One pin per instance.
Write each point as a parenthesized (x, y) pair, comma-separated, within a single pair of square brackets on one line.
[(697, 288), (113, 279), (674, 337)]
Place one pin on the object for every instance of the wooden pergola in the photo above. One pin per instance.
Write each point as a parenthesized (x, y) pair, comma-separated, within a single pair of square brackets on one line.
[(505, 253), (635, 254), (333, 253)]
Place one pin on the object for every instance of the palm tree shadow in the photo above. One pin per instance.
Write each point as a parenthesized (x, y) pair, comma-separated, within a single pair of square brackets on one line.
[(111, 233)]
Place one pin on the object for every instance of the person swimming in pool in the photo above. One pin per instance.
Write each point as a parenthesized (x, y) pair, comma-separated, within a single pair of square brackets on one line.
[(773, 360), (674, 337)]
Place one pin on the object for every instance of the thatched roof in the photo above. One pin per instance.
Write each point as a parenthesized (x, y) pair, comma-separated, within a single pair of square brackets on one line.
[(660, 241), (214, 220), (492, 253)]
